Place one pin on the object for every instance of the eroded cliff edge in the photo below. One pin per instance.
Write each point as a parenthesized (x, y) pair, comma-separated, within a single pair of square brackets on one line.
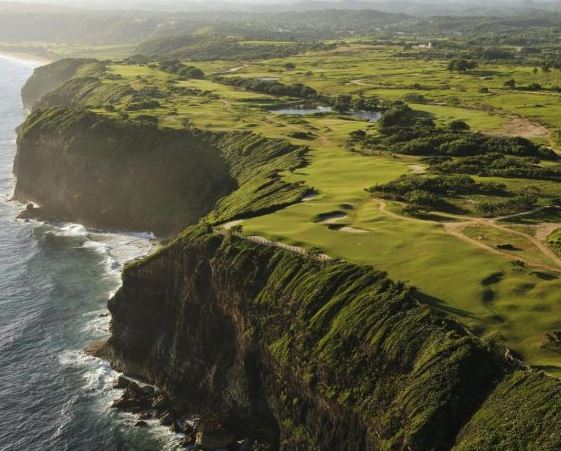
[(309, 354)]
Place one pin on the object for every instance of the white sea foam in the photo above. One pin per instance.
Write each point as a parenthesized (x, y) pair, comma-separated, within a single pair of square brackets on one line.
[(98, 327), (71, 230)]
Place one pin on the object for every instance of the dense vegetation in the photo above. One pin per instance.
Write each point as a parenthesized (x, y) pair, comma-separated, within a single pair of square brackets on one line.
[(407, 132), (176, 67), (430, 192), (455, 150), (495, 164), (272, 87)]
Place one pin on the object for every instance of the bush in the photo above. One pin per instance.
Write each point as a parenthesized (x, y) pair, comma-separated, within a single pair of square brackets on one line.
[(271, 87), (462, 65), (458, 126)]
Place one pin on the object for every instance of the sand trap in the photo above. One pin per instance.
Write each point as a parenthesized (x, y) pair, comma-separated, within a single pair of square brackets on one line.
[(520, 126), (352, 230), (229, 225), (417, 169), (332, 218), (309, 197)]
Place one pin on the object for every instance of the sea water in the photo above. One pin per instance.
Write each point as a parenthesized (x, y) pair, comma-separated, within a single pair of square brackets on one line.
[(55, 280)]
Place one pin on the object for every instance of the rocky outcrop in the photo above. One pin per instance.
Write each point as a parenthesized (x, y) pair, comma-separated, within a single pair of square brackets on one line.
[(50, 77), (307, 354)]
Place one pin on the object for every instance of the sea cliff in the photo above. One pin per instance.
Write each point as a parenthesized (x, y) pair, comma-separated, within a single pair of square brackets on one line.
[(310, 354), (123, 174), (297, 352)]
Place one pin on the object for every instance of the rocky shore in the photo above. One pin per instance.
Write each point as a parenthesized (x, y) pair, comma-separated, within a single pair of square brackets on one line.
[(197, 432)]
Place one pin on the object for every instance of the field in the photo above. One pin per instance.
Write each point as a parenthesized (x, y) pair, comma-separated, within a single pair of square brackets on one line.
[(497, 276)]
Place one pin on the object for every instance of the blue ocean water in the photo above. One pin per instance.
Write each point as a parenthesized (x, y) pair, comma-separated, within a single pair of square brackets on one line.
[(55, 280)]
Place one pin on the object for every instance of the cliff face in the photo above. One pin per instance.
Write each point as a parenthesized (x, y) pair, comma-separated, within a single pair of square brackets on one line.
[(104, 172), (50, 77), (79, 166), (319, 355)]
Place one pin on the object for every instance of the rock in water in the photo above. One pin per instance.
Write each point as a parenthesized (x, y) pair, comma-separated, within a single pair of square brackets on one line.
[(167, 420), (214, 438), (122, 382)]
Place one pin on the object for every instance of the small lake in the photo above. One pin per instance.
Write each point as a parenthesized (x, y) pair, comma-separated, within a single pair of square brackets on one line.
[(371, 116), (300, 110), (303, 111)]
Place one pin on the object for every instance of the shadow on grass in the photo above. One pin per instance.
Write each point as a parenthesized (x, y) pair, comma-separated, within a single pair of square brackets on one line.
[(547, 367), (544, 275), (494, 278), (441, 306)]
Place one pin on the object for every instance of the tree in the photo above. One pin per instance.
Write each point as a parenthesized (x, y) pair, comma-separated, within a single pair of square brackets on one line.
[(458, 126), (343, 103), (236, 229), (358, 135), (191, 72), (461, 65)]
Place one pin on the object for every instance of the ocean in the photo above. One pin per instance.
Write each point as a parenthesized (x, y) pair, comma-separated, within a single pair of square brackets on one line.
[(55, 280)]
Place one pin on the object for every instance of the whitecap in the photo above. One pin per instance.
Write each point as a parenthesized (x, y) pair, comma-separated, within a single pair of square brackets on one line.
[(72, 230)]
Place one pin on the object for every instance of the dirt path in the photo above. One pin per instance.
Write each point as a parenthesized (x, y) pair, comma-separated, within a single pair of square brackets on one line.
[(520, 126), (545, 229), (232, 70), (456, 229), (269, 243), (539, 244), (360, 82)]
